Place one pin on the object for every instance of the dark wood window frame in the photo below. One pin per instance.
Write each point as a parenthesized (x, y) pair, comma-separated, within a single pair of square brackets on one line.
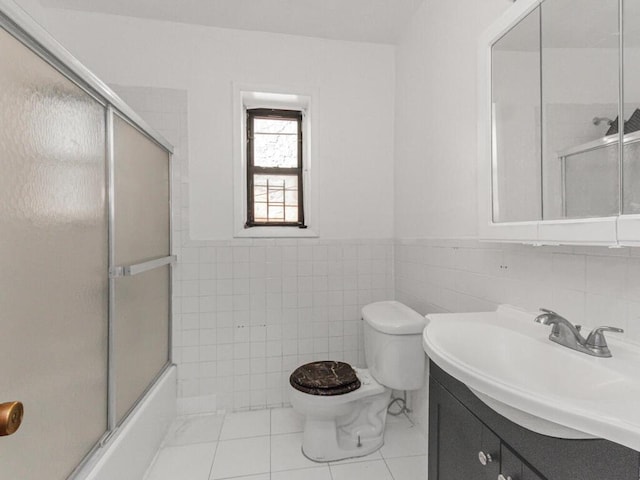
[(252, 170)]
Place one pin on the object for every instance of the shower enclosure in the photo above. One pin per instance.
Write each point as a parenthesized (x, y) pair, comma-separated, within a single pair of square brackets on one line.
[(85, 255)]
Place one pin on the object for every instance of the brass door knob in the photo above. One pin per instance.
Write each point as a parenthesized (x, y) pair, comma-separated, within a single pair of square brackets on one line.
[(11, 414)]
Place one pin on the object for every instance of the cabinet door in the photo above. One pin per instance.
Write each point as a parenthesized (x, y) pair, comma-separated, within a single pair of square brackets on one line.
[(460, 446), (512, 468)]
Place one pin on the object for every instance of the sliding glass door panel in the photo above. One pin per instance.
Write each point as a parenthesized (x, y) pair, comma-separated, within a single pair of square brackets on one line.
[(53, 257), (141, 195), (141, 334), (141, 232)]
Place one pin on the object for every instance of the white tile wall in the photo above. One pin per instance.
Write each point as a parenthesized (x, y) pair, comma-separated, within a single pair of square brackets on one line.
[(592, 286), (589, 285), (248, 312)]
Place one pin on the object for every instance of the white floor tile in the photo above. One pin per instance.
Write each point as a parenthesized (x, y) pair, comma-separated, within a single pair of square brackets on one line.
[(367, 458), (246, 424), (195, 429), (191, 454), (286, 453), (408, 468), (376, 470), (401, 439), (262, 476), (318, 473), (286, 420), (398, 419), (191, 462), (247, 456)]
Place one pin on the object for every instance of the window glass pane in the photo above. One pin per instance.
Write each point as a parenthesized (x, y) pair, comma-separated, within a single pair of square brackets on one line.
[(275, 143), (291, 214), (268, 125), (275, 198)]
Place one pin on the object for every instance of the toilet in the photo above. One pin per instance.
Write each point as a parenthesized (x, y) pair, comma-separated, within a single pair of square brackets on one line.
[(345, 408)]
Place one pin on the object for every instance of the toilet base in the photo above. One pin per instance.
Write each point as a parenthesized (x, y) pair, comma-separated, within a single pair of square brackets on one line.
[(356, 434)]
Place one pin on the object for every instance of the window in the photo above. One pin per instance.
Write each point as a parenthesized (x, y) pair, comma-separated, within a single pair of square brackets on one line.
[(286, 106), (274, 168)]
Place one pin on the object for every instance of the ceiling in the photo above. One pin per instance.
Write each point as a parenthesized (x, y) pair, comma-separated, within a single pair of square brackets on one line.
[(378, 21)]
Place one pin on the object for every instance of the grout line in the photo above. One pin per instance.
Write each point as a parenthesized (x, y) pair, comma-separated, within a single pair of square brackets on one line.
[(388, 468), (216, 449), (215, 452), (270, 435), (329, 465)]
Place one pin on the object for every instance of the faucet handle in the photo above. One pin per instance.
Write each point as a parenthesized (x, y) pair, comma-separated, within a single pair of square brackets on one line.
[(549, 317), (596, 337)]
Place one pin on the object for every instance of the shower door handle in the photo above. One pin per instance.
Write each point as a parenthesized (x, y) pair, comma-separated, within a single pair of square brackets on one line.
[(135, 269), (11, 414)]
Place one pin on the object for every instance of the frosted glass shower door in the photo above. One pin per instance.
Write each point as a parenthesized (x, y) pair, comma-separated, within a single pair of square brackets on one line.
[(53, 264), (141, 308)]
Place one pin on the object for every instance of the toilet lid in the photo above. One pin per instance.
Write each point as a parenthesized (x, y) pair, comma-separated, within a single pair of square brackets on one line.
[(325, 378)]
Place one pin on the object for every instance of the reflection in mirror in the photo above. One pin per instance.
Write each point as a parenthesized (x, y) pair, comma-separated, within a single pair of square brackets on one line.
[(580, 92), (515, 92), (631, 163)]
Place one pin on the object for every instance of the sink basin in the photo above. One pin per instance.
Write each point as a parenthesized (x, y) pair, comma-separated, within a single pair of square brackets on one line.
[(508, 361)]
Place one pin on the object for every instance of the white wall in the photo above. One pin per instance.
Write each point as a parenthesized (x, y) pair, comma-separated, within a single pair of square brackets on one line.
[(435, 154), (355, 85), (439, 264), (34, 9)]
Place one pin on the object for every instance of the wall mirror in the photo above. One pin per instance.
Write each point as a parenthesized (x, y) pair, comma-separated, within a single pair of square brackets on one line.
[(557, 77)]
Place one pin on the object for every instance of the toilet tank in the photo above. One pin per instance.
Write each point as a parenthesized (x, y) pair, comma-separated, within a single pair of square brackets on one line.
[(393, 344)]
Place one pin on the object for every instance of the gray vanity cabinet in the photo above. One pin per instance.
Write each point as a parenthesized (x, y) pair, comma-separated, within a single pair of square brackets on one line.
[(465, 448), (468, 440), (511, 467)]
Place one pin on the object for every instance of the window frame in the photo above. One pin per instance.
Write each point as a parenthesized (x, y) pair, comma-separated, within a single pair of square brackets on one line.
[(251, 169), (305, 98)]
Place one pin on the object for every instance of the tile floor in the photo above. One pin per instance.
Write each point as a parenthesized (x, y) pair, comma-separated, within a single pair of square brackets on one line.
[(265, 445)]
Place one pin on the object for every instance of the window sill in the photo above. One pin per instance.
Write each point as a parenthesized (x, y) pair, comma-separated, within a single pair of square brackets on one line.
[(276, 232)]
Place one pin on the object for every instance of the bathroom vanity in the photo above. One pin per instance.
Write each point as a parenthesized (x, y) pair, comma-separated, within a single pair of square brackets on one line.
[(506, 401), (469, 440)]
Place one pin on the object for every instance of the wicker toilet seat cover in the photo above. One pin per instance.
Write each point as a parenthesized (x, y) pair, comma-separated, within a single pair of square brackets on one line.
[(325, 378)]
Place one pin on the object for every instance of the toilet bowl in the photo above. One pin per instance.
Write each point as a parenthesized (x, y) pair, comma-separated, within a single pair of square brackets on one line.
[(345, 408)]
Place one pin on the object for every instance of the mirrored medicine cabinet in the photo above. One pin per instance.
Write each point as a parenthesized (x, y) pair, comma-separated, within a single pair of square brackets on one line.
[(559, 123)]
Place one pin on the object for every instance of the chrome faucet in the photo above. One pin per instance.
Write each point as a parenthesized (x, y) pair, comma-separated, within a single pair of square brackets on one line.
[(568, 335)]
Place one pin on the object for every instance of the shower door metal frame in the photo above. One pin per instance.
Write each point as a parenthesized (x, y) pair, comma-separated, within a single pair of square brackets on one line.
[(23, 28)]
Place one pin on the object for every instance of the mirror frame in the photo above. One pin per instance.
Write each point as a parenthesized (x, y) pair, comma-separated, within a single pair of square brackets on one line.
[(614, 231)]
